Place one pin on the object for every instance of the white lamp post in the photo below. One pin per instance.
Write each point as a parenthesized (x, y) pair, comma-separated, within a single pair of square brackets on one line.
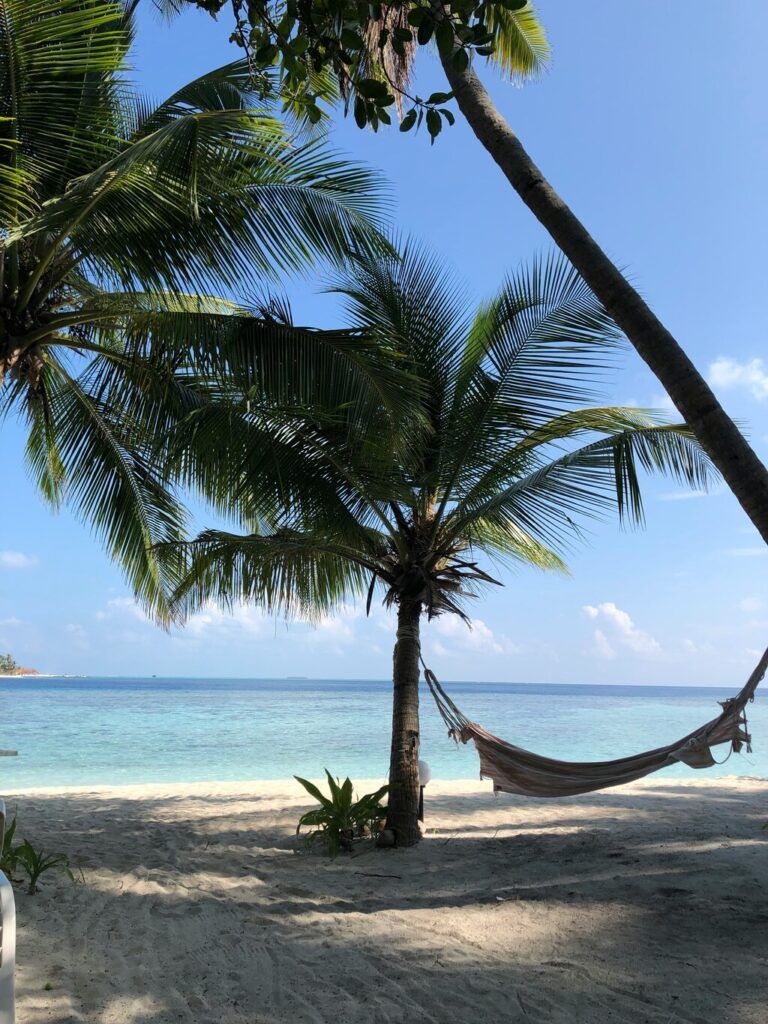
[(425, 775)]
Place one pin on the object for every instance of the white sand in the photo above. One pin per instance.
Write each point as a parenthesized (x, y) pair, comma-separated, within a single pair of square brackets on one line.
[(646, 904)]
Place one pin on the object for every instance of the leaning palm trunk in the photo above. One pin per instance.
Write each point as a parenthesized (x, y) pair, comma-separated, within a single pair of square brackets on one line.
[(743, 471), (403, 811)]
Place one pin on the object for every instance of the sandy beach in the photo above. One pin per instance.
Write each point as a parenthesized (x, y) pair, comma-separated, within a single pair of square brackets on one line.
[(645, 904)]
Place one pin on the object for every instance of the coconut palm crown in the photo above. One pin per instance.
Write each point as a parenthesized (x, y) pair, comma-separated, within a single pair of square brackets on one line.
[(500, 463), (117, 220)]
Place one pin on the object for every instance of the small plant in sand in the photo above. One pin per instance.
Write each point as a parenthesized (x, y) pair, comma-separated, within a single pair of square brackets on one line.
[(340, 819), (35, 862), (25, 857)]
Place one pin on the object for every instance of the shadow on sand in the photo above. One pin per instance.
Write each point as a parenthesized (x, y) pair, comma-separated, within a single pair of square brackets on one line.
[(642, 908)]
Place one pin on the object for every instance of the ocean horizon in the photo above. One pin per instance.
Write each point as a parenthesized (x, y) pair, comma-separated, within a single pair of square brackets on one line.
[(102, 730)]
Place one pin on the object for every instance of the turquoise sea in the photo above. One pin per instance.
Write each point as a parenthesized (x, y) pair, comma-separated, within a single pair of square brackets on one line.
[(111, 731)]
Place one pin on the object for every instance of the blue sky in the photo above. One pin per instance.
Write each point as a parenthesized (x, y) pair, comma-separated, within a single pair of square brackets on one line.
[(654, 129)]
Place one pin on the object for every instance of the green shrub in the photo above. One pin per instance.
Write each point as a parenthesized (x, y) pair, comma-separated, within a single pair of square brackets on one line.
[(25, 857), (35, 862), (7, 664), (340, 819)]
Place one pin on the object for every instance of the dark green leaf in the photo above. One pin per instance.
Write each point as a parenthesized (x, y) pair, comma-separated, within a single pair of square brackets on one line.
[(372, 88), (361, 112), (408, 121), (445, 38), (434, 123), (425, 30), (461, 60)]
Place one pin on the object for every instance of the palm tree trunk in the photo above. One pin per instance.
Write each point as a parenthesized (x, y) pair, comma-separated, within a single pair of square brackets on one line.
[(744, 473), (403, 810)]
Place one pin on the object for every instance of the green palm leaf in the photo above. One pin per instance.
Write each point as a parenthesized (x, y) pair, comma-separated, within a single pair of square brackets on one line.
[(287, 573), (521, 47), (82, 454), (117, 223), (498, 458)]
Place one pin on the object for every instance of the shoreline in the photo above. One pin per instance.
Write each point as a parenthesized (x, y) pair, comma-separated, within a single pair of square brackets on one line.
[(33, 675), (289, 787)]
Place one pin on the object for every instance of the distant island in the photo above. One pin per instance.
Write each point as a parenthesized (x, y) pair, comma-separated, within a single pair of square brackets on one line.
[(9, 667)]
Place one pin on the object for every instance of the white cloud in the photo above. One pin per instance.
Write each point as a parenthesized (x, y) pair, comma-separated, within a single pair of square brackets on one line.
[(16, 560), (479, 638), (79, 635), (664, 402), (242, 618), (335, 627), (751, 604), (247, 620), (752, 375), (684, 495), (603, 648), (121, 608), (10, 623), (622, 629), (659, 402), (696, 647), (747, 552)]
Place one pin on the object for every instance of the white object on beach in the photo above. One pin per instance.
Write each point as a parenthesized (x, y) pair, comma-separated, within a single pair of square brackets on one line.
[(425, 773), (7, 942)]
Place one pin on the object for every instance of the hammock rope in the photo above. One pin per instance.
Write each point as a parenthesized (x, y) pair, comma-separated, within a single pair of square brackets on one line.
[(515, 770)]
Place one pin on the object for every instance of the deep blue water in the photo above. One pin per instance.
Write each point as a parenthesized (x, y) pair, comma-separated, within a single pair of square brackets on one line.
[(110, 731)]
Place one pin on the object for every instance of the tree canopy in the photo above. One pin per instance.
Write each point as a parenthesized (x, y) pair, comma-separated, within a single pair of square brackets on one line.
[(117, 220), (370, 48), (8, 664), (498, 458)]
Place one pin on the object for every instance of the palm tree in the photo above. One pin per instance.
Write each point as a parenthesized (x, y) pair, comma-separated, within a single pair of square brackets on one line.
[(117, 219), (498, 460), (520, 49)]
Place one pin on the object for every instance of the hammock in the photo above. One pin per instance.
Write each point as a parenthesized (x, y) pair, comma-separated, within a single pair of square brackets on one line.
[(514, 770)]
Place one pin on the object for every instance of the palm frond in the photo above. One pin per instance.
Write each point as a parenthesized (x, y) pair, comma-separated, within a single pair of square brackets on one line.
[(520, 41), (118, 222), (550, 501), (56, 59), (234, 87), (512, 546), (210, 200), (289, 573), (82, 450), (539, 347), (413, 306)]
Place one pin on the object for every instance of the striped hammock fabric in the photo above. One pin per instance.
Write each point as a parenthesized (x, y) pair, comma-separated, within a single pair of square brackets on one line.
[(514, 770)]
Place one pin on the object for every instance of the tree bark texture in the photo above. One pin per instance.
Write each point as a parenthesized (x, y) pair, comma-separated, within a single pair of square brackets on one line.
[(403, 809)]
